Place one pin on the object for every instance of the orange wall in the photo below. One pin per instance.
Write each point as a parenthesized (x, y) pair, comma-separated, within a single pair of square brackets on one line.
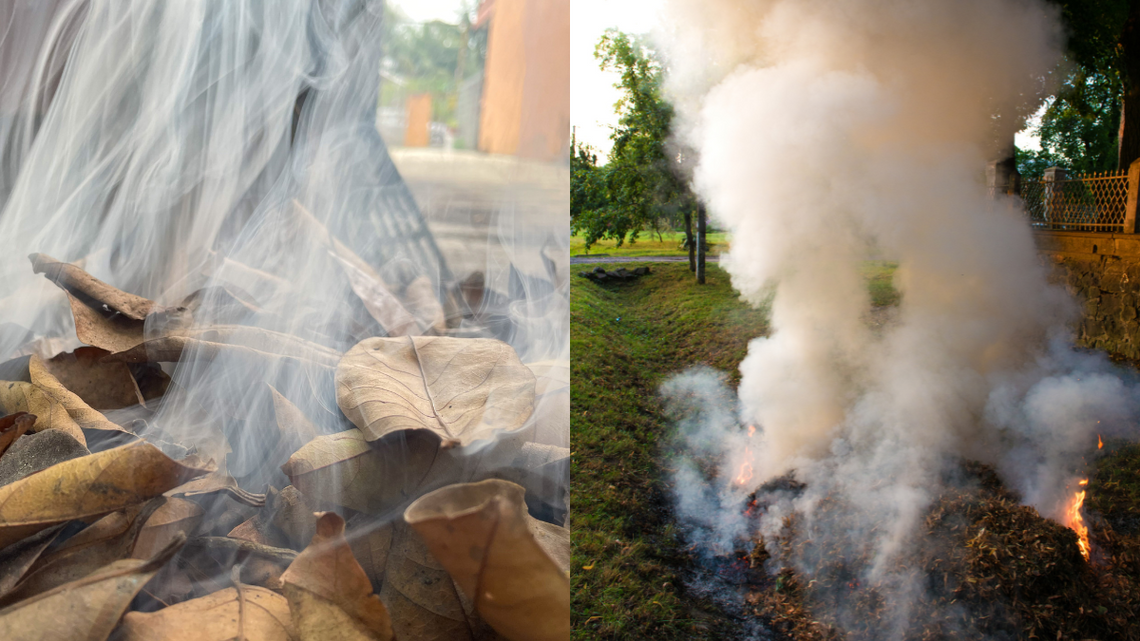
[(526, 85), (417, 133)]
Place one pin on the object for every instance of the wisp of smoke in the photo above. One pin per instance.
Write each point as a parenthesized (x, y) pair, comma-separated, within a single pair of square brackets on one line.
[(825, 128)]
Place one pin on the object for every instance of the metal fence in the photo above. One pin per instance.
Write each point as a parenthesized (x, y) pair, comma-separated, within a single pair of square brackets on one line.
[(1089, 202)]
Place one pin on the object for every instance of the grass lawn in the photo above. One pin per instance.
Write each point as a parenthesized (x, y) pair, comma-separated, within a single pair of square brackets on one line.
[(646, 245), (625, 340), (628, 556)]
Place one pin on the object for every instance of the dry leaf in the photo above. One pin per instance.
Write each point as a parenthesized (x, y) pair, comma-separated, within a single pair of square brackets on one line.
[(13, 427), (18, 558), (90, 486), (90, 290), (86, 417), (293, 517), (176, 516), (247, 613), (101, 385), (371, 542), (330, 593), (344, 469), (34, 452), (461, 390), (207, 343), (422, 600), (105, 541), (83, 610), (114, 334), (480, 533), (49, 412)]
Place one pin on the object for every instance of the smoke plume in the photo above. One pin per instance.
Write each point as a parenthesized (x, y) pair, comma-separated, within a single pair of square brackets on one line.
[(827, 129)]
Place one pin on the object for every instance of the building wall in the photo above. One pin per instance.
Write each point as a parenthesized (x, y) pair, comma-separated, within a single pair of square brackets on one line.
[(526, 83)]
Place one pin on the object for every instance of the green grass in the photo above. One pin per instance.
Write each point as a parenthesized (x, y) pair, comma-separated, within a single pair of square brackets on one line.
[(646, 245), (625, 339)]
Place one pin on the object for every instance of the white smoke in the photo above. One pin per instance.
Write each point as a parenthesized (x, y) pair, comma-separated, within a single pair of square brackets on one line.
[(825, 128)]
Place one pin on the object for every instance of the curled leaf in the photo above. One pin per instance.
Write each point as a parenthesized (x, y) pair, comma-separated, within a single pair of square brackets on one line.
[(101, 385), (90, 486), (90, 290), (248, 613), (83, 415), (481, 533), (461, 390), (330, 593), (84, 610), (50, 414), (13, 426)]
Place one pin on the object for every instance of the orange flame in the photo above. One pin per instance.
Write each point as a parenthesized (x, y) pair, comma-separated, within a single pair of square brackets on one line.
[(1075, 522), (1099, 443), (745, 473)]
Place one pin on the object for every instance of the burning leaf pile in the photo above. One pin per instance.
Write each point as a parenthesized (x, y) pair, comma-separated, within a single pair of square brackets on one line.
[(411, 518), (988, 567)]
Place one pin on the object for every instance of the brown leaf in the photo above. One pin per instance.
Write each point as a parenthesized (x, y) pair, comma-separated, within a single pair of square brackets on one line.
[(551, 375), (86, 417), (293, 516), (176, 516), (481, 534), (13, 427), (344, 469), (105, 541), (18, 558), (101, 385), (114, 334), (49, 412), (34, 452), (90, 486), (83, 610), (325, 583), (461, 390), (422, 600), (208, 343), (247, 613), (90, 290), (371, 543), (294, 427)]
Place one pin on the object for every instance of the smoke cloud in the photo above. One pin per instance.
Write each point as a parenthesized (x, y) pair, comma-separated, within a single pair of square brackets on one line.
[(826, 129)]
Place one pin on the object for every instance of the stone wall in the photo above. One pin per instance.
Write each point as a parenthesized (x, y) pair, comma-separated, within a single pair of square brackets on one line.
[(1103, 271)]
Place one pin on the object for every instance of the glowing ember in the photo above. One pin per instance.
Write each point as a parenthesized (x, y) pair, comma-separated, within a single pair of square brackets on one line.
[(1076, 522)]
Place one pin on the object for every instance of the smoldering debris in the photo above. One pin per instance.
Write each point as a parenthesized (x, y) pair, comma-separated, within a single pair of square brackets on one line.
[(825, 129)]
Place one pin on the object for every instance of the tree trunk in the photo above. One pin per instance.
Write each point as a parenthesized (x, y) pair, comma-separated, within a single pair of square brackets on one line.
[(689, 240), (1130, 104), (701, 245)]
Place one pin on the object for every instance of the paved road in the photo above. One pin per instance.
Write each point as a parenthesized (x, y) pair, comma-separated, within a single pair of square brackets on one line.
[(578, 260)]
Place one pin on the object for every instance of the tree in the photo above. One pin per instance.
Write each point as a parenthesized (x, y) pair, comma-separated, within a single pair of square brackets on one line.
[(1079, 126), (1104, 41), (642, 177)]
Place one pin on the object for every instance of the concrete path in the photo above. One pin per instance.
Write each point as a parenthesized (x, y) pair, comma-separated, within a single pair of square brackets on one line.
[(578, 260)]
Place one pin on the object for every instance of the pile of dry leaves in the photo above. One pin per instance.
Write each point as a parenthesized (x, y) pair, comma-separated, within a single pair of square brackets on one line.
[(114, 526), (987, 567)]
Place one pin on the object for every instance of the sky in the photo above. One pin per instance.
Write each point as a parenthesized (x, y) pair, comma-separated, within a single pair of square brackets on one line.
[(424, 10), (592, 94)]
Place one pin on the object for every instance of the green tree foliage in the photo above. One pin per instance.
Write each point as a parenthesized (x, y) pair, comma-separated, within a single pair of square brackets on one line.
[(641, 180), (423, 57), (1079, 127)]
